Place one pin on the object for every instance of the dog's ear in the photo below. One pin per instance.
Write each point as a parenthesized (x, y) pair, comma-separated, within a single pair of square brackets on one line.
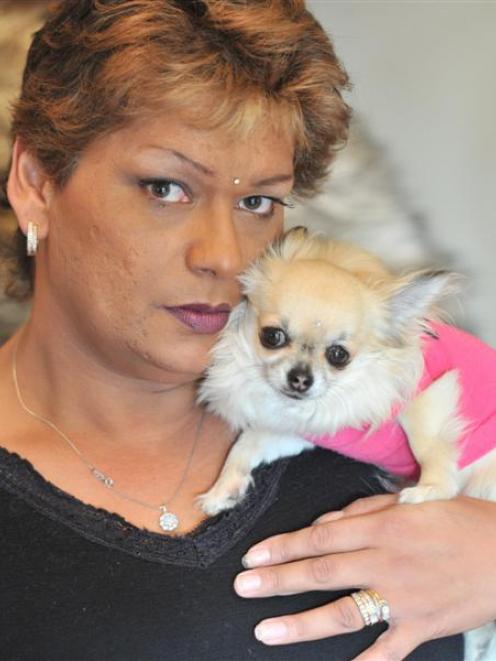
[(298, 230), (413, 298), (286, 247), (290, 243), (254, 277)]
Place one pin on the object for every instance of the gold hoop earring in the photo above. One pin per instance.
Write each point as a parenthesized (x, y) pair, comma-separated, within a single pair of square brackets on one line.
[(32, 239)]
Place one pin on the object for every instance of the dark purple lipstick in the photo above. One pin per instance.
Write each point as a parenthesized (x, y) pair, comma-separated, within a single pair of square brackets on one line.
[(202, 318)]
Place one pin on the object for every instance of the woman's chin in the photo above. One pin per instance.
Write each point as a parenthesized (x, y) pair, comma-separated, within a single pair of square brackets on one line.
[(185, 362)]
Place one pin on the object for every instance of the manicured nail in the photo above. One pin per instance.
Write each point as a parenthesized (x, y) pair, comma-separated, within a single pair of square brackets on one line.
[(326, 518), (247, 584), (255, 558), (271, 632)]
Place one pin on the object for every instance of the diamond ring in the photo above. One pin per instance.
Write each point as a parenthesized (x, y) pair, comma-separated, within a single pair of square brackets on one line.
[(373, 608)]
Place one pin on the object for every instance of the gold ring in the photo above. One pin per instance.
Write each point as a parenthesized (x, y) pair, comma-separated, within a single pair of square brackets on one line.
[(373, 608)]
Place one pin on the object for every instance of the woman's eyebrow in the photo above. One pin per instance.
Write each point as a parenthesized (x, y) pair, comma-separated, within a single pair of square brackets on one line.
[(275, 179), (198, 166)]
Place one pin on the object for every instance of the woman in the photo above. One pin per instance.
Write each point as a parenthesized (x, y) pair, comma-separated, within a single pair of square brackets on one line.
[(156, 144)]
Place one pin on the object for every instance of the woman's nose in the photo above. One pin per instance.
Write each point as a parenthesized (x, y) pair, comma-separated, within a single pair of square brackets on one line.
[(216, 247)]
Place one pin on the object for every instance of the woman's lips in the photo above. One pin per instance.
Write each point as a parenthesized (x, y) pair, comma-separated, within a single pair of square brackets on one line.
[(201, 318)]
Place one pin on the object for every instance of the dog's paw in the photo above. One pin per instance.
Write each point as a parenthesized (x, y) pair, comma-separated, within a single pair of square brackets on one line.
[(425, 492), (224, 495)]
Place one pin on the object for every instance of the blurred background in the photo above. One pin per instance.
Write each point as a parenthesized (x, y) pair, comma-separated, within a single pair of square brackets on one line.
[(417, 181), (425, 86)]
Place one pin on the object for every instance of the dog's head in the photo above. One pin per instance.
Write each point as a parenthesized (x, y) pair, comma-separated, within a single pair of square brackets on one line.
[(326, 314)]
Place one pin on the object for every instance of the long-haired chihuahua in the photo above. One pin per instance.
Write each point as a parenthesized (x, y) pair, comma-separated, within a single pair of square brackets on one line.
[(328, 342), (330, 348)]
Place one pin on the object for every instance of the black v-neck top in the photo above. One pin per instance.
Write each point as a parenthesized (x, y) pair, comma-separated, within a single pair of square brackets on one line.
[(81, 584)]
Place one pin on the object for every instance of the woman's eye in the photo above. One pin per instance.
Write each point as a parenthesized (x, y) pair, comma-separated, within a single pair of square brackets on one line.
[(258, 204), (168, 191)]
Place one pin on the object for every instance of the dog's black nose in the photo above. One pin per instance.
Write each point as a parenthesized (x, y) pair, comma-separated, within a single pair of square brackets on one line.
[(300, 378)]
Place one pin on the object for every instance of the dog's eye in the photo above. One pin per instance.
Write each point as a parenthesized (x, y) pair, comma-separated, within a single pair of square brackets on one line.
[(273, 338), (337, 356)]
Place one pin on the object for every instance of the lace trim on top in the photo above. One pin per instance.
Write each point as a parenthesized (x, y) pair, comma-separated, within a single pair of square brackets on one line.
[(201, 547)]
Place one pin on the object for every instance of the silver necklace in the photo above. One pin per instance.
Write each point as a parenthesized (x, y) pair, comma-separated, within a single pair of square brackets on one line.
[(168, 521)]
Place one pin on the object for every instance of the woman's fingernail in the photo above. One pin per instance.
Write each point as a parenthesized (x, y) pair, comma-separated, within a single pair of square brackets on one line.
[(247, 583), (331, 516), (255, 558), (270, 632)]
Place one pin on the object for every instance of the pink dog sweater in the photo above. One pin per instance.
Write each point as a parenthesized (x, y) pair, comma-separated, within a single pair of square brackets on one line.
[(449, 348)]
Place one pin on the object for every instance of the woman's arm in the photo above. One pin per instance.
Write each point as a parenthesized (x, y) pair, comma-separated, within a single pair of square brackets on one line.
[(434, 562)]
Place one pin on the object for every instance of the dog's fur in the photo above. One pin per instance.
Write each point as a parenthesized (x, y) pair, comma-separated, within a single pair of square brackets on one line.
[(316, 294)]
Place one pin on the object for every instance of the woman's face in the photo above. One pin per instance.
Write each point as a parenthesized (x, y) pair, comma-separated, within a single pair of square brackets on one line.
[(147, 237)]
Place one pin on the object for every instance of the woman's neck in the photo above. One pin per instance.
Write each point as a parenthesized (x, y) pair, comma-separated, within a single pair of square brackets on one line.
[(63, 382), (140, 433)]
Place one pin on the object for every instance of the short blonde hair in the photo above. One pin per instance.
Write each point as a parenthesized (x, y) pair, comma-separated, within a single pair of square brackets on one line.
[(98, 64)]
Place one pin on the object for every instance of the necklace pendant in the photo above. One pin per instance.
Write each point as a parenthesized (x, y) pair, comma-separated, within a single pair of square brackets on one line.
[(167, 521)]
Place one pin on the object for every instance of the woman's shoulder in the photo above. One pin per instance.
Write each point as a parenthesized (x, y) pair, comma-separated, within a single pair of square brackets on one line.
[(320, 479)]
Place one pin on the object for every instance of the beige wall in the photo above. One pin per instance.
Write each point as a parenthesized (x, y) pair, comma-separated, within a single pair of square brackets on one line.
[(425, 80)]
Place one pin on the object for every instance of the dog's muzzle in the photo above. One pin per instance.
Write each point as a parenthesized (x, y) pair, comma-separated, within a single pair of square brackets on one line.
[(300, 379)]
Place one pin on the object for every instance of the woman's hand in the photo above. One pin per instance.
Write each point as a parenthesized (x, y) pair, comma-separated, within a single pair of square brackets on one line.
[(433, 562)]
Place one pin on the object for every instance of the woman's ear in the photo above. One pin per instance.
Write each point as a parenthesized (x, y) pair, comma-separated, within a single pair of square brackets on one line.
[(29, 190)]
